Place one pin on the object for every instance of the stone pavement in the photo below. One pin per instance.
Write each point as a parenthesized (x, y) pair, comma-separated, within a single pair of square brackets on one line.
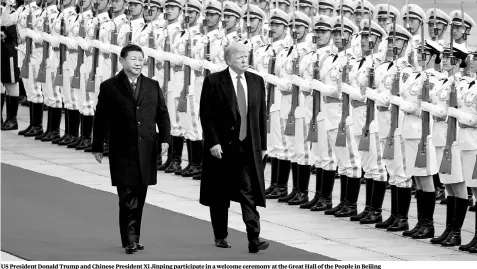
[(311, 231)]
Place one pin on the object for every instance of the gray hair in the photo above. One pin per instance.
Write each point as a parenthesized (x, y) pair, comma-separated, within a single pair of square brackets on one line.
[(234, 48)]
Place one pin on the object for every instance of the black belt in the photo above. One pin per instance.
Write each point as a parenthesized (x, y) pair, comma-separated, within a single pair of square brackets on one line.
[(382, 108), (106, 55), (197, 73), (38, 45), (437, 119), (329, 99), (465, 126), (87, 53), (70, 51), (356, 103), (55, 49)]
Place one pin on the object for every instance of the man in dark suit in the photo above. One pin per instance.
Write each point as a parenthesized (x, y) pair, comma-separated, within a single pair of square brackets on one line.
[(131, 105), (233, 117)]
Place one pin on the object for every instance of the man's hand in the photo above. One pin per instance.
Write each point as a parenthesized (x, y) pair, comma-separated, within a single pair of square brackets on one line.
[(216, 151), (98, 156), (264, 153), (164, 148)]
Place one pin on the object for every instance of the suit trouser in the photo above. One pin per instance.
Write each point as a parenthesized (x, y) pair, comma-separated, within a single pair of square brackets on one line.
[(131, 204), (244, 194)]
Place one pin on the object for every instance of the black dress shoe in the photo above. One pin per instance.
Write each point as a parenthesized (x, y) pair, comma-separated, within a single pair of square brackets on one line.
[(131, 249), (139, 246), (256, 245), (222, 243)]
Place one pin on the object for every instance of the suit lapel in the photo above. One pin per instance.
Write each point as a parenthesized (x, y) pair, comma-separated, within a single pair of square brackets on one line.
[(229, 92), (122, 83), (249, 91), (139, 94)]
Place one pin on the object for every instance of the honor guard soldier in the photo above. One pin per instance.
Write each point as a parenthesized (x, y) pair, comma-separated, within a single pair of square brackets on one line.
[(364, 10), (283, 5), (63, 61), (420, 156), (385, 16), (310, 67), (255, 39), (10, 72), (22, 18), (459, 30), (365, 126), (413, 19), (266, 64), (389, 77), (438, 23), (465, 112), (189, 97), (326, 7), (348, 7)]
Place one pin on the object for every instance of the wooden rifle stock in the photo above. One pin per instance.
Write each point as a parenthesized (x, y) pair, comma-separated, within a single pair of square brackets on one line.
[(446, 163), (59, 70), (25, 70), (270, 87), (341, 135), (151, 61), (114, 56), (290, 127), (167, 65), (90, 84), (421, 158), (75, 81), (388, 153), (182, 105), (46, 52), (365, 136), (207, 57), (313, 130)]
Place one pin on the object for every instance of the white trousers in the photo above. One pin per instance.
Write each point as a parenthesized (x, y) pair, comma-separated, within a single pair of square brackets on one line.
[(323, 149), (372, 160), (397, 166), (348, 157)]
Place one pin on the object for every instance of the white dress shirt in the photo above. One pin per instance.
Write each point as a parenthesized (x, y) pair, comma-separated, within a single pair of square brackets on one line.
[(243, 80)]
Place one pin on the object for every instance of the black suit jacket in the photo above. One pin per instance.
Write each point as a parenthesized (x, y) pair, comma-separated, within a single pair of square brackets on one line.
[(220, 120), (133, 143)]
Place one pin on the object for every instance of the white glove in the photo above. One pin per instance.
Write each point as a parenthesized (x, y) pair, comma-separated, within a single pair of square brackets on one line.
[(346, 88), (396, 100), (426, 106), (371, 94), (115, 49), (453, 112)]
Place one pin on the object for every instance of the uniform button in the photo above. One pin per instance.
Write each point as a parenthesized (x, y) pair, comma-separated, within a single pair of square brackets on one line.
[(140, 139), (137, 108), (230, 142), (138, 123), (232, 128)]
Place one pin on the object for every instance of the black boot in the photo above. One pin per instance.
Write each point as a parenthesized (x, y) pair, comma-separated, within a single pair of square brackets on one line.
[(32, 121), (274, 175), (304, 173), (293, 193), (367, 208), (394, 205), (449, 217), (166, 164), (327, 184), (343, 187), (196, 168), (80, 138), (11, 123), (428, 206), (454, 238), (404, 202), (73, 127), (189, 159), (312, 202), (420, 221), (374, 215), (86, 133), (48, 124), (67, 129), (178, 145), (55, 125), (473, 242), (352, 193), (282, 180), (37, 113)]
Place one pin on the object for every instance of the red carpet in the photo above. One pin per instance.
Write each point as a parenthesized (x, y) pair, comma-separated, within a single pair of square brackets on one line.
[(47, 218)]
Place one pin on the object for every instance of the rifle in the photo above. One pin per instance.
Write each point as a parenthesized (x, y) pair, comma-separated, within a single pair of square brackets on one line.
[(436, 31), (249, 36), (75, 81), (446, 163), (46, 48), (408, 27), (341, 135), (388, 152), (127, 12), (271, 70), (290, 127), (464, 33), (421, 158), (25, 71), (90, 83), (151, 61), (207, 44), (59, 71), (365, 136), (167, 64), (114, 41), (182, 105)]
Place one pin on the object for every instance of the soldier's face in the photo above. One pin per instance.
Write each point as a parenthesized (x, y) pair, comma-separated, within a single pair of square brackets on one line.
[(254, 23), (338, 38), (400, 44), (151, 14), (132, 63), (193, 15), (102, 4), (277, 30), (306, 10), (172, 12), (359, 16), (383, 22), (365, 43), (346, 14), (322, 37), (230, 21), (117, 5), (135, 9), (326, 12), (283, 7), (446, 62), (457, 32), (300, 31), (439, 26), (212, 19), (414, 24)]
